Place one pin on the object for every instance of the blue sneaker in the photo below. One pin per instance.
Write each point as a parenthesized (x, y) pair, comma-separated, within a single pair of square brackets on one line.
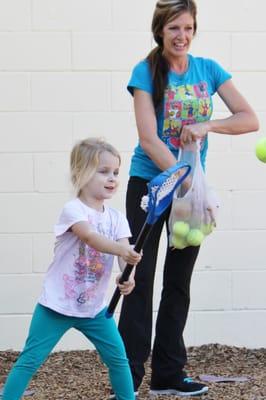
[(186, 387)]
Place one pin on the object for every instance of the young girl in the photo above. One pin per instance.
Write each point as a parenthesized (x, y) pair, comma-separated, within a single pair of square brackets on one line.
[(88, 235)]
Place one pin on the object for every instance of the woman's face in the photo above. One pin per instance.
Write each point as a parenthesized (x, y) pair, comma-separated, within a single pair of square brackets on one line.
[(177, 36)]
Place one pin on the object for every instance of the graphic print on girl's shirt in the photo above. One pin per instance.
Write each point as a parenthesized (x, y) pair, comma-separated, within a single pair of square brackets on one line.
[(88, 268), (184, 105)]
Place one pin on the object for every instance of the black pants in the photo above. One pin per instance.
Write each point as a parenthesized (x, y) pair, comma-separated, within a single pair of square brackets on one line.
[(135, 325)]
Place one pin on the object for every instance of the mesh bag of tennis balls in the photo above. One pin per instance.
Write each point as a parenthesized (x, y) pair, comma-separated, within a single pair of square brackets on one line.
[(195, 205)]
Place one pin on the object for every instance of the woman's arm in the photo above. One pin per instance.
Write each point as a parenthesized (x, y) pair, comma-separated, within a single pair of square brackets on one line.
[(242, 120), (146, 121)]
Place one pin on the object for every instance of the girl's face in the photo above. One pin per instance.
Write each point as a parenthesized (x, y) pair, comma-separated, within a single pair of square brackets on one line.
[(177, 36), (104, 182)]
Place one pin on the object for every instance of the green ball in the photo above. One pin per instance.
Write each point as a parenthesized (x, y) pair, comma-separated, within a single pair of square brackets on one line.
[(261, 149), (195, 237), (178, 242), (206, 229), (180, 228)]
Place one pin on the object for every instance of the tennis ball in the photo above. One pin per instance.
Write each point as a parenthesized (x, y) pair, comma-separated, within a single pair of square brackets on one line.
[(195, 237), (261, 149), (178, 242), (206, 229), (180, 228)]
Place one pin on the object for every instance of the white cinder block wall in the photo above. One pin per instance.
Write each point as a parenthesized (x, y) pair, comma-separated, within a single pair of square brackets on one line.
[(64, 65)]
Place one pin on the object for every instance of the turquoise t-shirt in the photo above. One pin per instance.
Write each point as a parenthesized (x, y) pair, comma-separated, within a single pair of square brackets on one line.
[(187, 100)]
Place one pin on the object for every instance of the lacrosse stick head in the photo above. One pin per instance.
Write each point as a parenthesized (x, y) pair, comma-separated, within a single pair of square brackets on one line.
[(161, 190)]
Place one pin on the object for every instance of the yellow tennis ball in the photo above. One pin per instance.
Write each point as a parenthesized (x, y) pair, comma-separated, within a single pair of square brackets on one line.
[(261, 149), (195, 237), (180, 228), (178, 242), (206, 229)]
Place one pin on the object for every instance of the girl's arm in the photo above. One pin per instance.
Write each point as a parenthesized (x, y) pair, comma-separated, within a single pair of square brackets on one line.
[(121, 263), (242, 120), (105, 245), (146, 121)]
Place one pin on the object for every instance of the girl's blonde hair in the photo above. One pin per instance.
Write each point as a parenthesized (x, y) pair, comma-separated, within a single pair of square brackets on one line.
[(84, 160)]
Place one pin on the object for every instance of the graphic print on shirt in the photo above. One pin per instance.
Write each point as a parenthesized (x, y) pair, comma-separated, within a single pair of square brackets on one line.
[(88, 269), (184, 105)]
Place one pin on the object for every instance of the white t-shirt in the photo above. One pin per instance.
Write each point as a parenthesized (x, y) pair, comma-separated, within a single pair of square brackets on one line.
[(77, 279)]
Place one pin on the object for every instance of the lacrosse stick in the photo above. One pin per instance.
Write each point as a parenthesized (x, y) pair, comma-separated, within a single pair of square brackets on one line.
[(159, 198)]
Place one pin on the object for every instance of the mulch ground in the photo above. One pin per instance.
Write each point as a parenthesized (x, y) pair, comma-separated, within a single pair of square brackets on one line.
[(72, 375)]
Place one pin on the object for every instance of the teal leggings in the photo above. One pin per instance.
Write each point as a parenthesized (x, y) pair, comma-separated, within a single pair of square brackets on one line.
[(46, 329)]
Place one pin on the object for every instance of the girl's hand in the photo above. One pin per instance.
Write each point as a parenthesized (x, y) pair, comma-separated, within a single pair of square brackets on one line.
[(127, 286), (129, 255), (191, 133)]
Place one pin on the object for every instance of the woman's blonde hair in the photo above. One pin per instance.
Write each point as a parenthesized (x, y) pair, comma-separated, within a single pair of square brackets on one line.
[(84, 160), (165, 11)]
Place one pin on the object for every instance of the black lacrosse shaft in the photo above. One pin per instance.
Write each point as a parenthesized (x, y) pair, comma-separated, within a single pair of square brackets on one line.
[(144, 233)]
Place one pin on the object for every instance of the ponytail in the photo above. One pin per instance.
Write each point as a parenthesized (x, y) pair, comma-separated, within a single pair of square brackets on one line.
[(159, 71)]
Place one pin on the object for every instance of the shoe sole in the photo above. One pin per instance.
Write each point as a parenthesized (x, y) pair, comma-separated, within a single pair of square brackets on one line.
[(155, 393)]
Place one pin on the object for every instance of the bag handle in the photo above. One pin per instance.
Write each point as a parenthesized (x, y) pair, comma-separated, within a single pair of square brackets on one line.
[(194, 147)]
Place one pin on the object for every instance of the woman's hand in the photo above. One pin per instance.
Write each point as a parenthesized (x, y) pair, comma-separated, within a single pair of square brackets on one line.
[(191, 133), (127, 286)]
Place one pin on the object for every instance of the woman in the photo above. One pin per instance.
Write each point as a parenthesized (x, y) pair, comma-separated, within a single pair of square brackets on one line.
[(173, 106)]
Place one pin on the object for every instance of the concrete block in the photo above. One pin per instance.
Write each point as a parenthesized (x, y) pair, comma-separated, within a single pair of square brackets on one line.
[(35, 51), (248, 209), (234, 328), (14, 91), (131, 16), (227, 16), (51, 172), (118, 128), (35, 132), (71, 91), (30, 213), (121, 99), (22, 292), (75, 15), (16, 173), (121, 52), (42, 251), (233, 250), (243, 44), (211, 290), (249, 290), (205, 45), (15, 15), (21, 246)]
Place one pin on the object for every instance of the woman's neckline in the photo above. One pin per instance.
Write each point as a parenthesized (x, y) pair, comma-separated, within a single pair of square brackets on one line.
[(181, 75)]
